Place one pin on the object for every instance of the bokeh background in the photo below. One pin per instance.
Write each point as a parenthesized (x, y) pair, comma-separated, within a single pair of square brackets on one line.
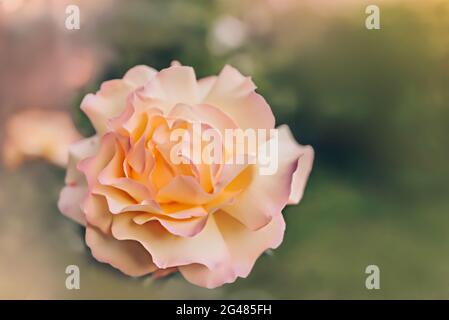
[(373, 103)]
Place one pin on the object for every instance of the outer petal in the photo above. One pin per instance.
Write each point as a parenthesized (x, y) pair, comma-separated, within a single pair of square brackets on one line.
[(168, 250), (234, 94), (231, 82), (244, 246), (265, 200), (77, 152), (94, 164), (303, 169), (97, 212), (127, 256), (139, 75), (69, 203), (73, 194), (204, 85), (176, 84), (110, 101)]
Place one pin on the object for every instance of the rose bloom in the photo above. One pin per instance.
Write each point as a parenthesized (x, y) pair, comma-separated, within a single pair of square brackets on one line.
[(38, 133), (144, 213)]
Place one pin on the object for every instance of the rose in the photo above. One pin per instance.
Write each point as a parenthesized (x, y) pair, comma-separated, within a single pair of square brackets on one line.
[(144, 213), (38, 133)]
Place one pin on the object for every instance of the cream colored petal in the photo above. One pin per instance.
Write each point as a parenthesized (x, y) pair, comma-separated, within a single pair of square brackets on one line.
[(204, 113), (78, 151), (94, 164), (183, 228), (106, 104), (230, 82), (134, 189), (234, 94), (127, 256), (229, 172), (131, 119), (186, 222), (267, 194), (139, 75), (97, 212), (168, 250), (302, 172), (69, 203), (173, 85), (110, 101), (244, 246), (205, 85), (173, 211), (147, 206), (118, 201), (72, 196)]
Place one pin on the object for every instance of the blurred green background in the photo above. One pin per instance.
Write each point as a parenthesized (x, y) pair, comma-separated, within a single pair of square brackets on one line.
[(374, 104)]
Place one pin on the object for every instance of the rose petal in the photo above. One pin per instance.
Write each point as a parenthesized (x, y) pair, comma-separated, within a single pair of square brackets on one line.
[(168, 250), (78, 151), (229, 172), (302, 172), (244, 245), (110, 101), (73, 194), (234, 94), (204, 113), (205, 85), (139, 75), (184, 189), (127, 256), (182, 228), (107, 103), (69, 202), (97, 212), (176, 84), (260, 187), (93, 165), (118, 201), (178, 219)]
